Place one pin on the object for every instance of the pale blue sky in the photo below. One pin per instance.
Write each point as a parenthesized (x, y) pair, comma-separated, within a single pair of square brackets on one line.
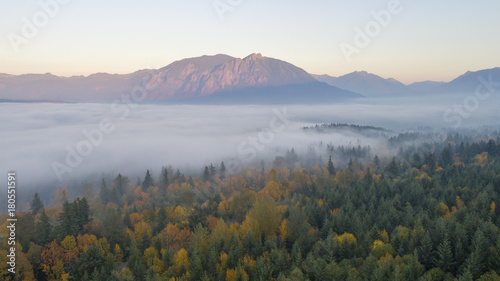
[(428, 40)]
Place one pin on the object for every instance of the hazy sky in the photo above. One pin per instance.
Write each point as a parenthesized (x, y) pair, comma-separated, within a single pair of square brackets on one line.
[(423, 40)]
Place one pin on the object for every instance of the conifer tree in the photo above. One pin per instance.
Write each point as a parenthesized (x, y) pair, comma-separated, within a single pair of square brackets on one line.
[(36, 205), (148, 181), (222, 170), (330, 167)]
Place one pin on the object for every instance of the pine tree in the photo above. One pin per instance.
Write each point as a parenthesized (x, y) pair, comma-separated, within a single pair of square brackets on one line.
[(68, 221), (376, 160), (190, 181), (196, 266), (135, 262), (120, 183), (426, 251), (164, 182), (494, 257), (222, 170), (213, 171), (148, 181), (206, 174), (476, 263), (446, 156), (36, 205), (393, 169), (330, 167), (104, 193), (83, 211), (444, 259), (43, 229)]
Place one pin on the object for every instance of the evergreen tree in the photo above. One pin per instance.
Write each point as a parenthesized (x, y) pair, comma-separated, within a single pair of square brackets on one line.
[(68, 221), (148, 181), (392, 169), (206, 174), (444, 259), (82, 211), (135, 261), (476, 263), (446, 156), (105, 194), (120, 183), (426, 251), (376, 160), (190, 181), (90, 262), (196, 266), (494, 257), (36, 205), (330, 167), (43, 229), (164, 182), (222, 170), (213, 171)]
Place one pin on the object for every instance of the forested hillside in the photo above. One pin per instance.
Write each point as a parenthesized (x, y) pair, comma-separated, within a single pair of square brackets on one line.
[(429, 212)]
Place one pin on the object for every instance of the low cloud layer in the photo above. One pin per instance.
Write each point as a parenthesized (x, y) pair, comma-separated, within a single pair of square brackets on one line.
[(35, 136)]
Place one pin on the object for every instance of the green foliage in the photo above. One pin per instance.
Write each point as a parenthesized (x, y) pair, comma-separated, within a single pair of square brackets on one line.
[(412, 216), (36, 205)]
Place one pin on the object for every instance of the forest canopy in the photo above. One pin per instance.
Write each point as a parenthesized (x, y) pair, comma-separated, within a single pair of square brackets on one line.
[(428, 211)]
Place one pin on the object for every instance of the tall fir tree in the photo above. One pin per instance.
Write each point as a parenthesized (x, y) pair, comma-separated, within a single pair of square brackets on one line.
[(43, 229), (222, 170), (164, 181), (148, 181), (36, 205), (330, 167)]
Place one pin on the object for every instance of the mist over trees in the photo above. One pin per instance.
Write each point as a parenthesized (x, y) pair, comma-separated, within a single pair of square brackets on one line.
[(428, 210)]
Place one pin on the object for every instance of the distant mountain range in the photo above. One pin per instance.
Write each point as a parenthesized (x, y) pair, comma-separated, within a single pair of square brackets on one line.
[(222, 79), (206, 79), (370, 84)]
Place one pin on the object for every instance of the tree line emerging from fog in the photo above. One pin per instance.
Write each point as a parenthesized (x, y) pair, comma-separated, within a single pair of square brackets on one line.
[(430, 212)]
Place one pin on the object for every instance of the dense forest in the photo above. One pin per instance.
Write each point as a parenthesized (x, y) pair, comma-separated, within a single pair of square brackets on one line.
[(429, 210)]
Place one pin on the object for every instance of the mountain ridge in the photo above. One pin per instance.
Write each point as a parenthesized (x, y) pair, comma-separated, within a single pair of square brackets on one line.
[(190, 78), (221, 75)]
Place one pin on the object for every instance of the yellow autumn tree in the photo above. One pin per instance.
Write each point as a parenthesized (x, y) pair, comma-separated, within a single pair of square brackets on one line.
[(181, 262), (264, 217), (380, 249), (70, 248)]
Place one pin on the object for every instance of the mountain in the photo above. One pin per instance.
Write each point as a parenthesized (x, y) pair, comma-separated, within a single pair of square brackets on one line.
[(469, 81), (424, 86), (364, 83), (218, 78), (204, 76)]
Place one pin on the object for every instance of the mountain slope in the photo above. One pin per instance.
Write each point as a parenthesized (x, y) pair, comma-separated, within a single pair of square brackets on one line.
[(365, 83), (469, 81), (425, 86), (191, 78)]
